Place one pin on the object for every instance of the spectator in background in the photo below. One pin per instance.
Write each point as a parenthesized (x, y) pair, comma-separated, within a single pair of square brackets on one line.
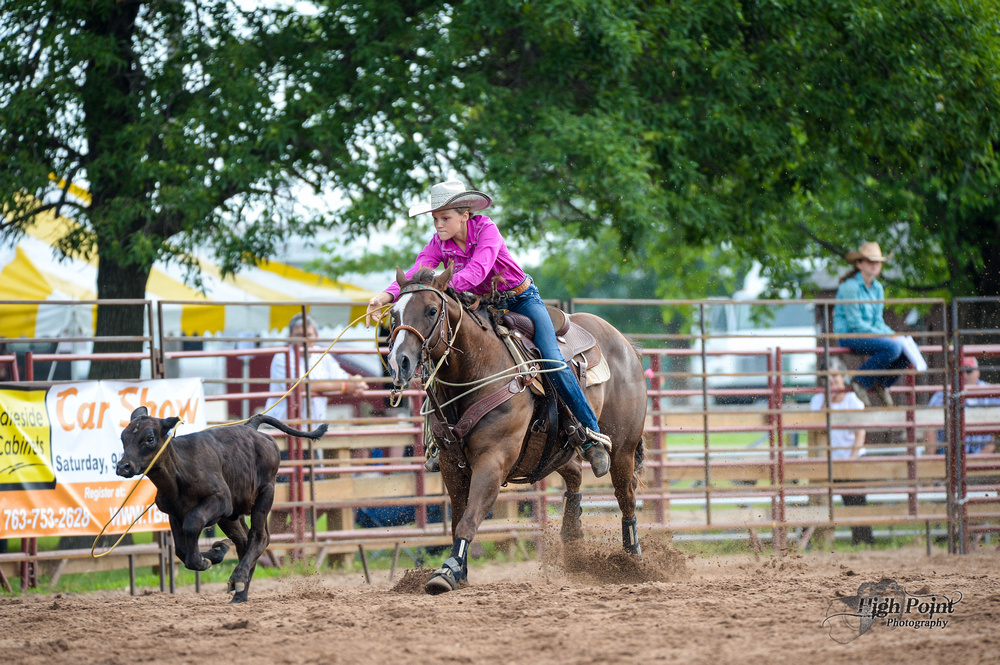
[(326, 377), (886, 351), (975, 444), (845, 443)]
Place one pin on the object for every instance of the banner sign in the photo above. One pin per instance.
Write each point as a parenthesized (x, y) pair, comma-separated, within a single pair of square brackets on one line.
[(59, 448)]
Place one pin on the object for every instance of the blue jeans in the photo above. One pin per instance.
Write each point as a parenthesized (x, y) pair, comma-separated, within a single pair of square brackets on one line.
[(530, 305), (886, 353)]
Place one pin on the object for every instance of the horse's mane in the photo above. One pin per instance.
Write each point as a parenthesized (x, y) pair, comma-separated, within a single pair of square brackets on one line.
[(423, 276)]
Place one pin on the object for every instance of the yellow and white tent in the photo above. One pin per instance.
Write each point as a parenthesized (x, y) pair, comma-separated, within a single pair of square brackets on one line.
[(256, 298)]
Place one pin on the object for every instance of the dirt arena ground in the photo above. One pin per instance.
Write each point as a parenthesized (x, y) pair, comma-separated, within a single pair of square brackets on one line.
[(594, 607)]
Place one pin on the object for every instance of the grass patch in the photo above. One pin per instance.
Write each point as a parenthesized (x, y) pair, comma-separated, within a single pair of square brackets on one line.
[(726, 441)]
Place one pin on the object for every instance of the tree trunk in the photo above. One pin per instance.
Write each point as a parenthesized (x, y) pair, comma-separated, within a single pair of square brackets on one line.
[(119, 282)]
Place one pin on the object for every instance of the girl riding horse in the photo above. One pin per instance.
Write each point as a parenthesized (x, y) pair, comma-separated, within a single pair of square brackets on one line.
[(506, 433), (481, 261)]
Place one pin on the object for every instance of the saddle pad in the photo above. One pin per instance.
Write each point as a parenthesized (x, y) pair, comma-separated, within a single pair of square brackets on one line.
[(599, 373)]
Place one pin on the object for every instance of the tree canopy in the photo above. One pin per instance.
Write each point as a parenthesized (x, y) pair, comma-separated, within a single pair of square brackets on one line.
[(780, 129), (194, 126)]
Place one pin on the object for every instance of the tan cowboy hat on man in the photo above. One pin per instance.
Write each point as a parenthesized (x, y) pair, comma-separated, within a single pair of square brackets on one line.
[(870, 251)]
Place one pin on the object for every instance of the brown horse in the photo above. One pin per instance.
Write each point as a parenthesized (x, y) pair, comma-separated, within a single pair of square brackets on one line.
[(426, 325)]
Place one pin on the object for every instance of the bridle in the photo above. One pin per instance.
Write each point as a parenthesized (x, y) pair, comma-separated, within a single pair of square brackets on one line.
[(442, 318), (445, 334)]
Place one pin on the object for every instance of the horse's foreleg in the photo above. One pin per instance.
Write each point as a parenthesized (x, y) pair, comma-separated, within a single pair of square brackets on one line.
[(484, 487), (457, 484), (572, 528), (625, 482)]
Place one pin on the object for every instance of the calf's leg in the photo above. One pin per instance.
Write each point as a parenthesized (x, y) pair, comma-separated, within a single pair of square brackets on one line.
[(239, 534), (207, 512), (214, 555), (257, 542)]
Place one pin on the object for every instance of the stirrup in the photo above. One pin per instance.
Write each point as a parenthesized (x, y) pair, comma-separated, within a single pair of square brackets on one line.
[(432, 464), (597, 437)]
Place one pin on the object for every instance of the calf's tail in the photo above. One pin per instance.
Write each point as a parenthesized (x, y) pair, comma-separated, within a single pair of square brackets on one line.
[(274, 422)]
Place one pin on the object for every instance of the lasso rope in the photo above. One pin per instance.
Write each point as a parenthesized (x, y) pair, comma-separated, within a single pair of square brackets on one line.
[(171, 436), (129, 496), (510, 372)]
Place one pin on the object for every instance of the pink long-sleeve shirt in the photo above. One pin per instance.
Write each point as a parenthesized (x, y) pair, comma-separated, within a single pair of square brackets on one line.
[(485, 256)]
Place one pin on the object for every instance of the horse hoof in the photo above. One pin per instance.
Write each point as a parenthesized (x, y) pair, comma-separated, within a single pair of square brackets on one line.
[(440, 582), (218, 551)]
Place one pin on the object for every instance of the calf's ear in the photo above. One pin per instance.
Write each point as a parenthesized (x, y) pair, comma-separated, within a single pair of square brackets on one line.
[(139, 413), (167, 424)]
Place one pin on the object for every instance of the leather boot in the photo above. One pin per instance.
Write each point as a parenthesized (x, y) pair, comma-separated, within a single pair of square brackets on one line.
[(598, 457), (862, 394), (595, 451)]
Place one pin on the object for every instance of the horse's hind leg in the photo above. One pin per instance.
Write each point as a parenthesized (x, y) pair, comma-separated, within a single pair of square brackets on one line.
[(572, 475), (625, 482)]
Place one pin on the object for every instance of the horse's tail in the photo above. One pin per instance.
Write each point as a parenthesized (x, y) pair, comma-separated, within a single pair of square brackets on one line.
[(640, 453), (640, 450), (636, 348)]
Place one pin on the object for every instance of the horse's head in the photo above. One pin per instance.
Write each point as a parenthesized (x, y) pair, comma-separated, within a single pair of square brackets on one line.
[(419, 321)]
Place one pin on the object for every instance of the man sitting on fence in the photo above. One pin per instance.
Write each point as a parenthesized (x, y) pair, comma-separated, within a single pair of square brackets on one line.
[(975, 444)]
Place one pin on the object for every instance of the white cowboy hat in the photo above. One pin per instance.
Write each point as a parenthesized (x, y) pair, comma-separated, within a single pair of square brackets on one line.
[(452, 194), (870, 251)]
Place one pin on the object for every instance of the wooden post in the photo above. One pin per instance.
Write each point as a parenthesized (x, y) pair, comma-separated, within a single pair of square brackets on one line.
[(131, 574), (56, 574), (395, 561), (816, 444), (364, 563), (4, 583), (340, 519)]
